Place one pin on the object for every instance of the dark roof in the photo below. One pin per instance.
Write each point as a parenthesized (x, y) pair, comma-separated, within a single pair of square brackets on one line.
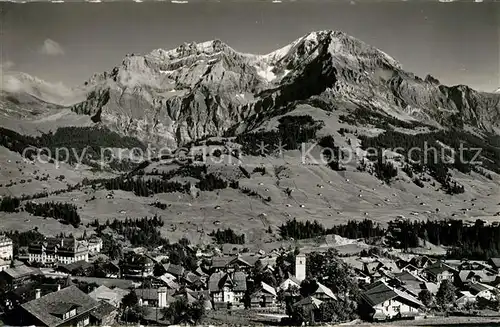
[(20, 271), (133, 258), (82, 264), (238, 281), (246, 260), (47, 308), (221, 262), (309, 301), (147, 293), (438, 268), (378, 293), (102, 310), (495, 262), (191, 278), (175, 270), (477, 287)]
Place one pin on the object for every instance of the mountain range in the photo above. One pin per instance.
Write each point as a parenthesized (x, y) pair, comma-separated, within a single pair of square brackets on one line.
[(173, 97)]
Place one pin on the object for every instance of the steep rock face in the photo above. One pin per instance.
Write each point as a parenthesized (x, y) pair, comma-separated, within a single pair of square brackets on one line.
[(176, 96)]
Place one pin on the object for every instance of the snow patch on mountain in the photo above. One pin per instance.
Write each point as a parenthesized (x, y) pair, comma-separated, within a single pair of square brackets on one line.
[(266, 73)]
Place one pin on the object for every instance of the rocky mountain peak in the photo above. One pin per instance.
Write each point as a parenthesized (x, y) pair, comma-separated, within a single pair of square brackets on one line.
[(199, 89)]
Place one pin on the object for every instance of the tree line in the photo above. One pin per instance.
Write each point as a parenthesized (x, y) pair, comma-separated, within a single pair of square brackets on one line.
[(86, 143), (352, 229), (476, 241), (227, 236), (64, 212), (292, 131), (433, 157), (140, 232)]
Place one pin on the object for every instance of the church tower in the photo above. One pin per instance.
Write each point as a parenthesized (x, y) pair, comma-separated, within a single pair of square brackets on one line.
[(300, 267)]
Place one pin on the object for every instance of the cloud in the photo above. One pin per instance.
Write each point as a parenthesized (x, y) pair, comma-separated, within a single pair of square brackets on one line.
[(51, 48), (6, 65)]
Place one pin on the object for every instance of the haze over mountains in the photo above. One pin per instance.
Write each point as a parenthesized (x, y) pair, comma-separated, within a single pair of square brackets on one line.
[(325, 87)]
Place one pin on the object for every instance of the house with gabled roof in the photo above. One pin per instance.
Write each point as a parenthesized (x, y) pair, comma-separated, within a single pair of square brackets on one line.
[(227, 289), (421, 262), (67, 307), (220, 263), (291, 281), (111, 296), (483, 291), (104, 315), (323, 293), (263, 297), (477, 276), (174, 270), (310, 306), (18, 275), (382, 302), (438, 272), (410, 268)]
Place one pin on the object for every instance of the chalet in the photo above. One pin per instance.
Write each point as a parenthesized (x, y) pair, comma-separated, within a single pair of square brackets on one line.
[(193, 281), (421, 262), (227, 289), (175, 270), (409, 282), (168, 281), (410, 268), (77, 268), (104, 315), (475, 265), (310, 307), (18, 275), (323, 293), (382, 302), (153, 297), (243, 263), (476, 276), (438, 272), (67, 307), (136, 266), (264, 297), (111, 296), (482, 291), (233, 263), (290, 282), (220, 263)]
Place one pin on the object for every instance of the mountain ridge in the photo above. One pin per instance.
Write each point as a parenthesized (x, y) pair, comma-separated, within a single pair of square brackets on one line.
[(195, 90)]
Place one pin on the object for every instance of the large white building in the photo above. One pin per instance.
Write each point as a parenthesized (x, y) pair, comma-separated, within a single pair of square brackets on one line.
[(58, 250), (6, 248), (94, 244)]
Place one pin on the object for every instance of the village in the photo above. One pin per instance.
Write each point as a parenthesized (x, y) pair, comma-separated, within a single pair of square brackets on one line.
[(65, 280)]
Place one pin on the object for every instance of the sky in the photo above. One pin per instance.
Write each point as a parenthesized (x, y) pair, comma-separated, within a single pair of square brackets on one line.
[(458, 43)]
